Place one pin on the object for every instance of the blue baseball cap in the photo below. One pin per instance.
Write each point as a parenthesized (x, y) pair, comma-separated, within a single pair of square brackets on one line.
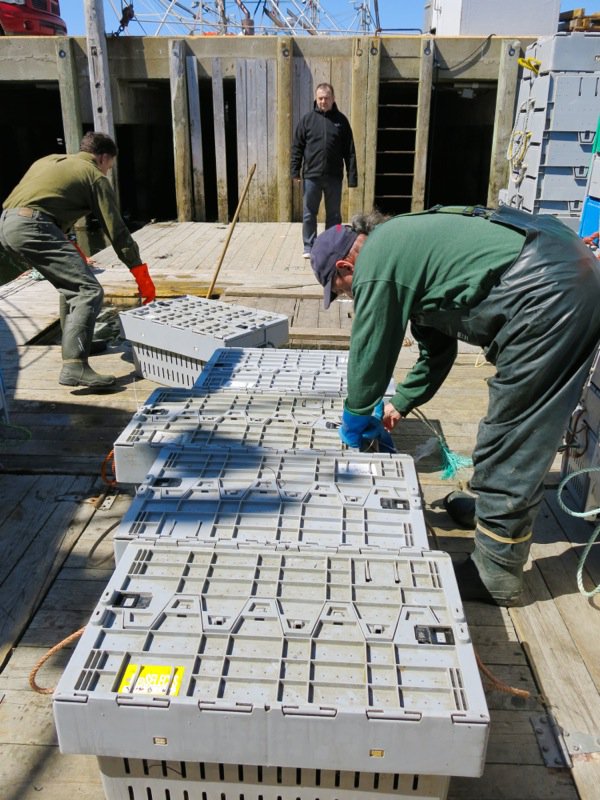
[(329, 248)]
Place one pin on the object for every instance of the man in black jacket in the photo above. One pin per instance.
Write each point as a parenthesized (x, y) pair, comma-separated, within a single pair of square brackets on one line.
[(322, 144)]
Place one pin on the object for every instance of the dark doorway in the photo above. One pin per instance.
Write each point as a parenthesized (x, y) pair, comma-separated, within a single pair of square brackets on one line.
[(460, 144)]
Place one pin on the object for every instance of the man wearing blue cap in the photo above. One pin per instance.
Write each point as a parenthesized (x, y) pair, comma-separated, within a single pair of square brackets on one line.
[(524, 288)]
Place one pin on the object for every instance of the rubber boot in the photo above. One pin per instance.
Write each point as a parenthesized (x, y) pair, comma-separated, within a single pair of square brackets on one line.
[(96, 345), (77, 372), (460, 507), (487, 581)]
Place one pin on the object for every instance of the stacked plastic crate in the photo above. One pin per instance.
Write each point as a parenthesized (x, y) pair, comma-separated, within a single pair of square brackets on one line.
[(276, 626), (555, 123), (172, 339)]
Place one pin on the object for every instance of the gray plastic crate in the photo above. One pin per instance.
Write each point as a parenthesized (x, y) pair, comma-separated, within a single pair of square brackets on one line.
[(266, 422), (140, 779), (355, 500), (270, 656), (321, 372), (567, 52), (190, 329)]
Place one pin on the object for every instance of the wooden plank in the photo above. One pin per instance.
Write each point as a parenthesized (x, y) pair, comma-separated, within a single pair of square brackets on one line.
[(219, 134), (359, 119), (367, 180), (563, 679), (68, 85), (36, 541), (508, 81), (181, 129), (245, 141), (197, 157), (284, 128), (423, 120)]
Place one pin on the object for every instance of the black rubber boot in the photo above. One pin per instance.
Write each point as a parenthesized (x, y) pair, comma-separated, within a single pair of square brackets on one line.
[(79, 373), (486, 581), (461, 509)]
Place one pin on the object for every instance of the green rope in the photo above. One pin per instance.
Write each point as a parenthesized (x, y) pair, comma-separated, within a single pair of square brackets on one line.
[(451, 462), (582, 515)]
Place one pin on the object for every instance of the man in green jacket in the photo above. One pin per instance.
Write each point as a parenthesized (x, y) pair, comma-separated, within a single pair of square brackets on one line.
[(55, 192), (524, 288)]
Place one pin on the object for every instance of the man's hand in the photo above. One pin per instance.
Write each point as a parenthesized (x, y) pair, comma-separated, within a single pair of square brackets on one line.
[(390, 417), (144, 282), (360, 431)]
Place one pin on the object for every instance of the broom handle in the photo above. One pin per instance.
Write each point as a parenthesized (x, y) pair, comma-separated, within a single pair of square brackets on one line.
[(231, 227)]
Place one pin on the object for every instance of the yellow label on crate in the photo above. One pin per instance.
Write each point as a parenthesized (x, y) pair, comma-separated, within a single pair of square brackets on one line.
[(152, 679)]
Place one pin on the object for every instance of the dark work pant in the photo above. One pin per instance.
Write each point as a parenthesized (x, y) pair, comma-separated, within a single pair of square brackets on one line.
[(314, 188), (543, 352), (38, 242), (540, 327)]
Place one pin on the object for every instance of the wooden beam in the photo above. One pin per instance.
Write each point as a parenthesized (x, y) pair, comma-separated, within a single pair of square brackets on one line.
[(358, 120), (423, 121), (508, 77), (219, 133), (69, 93), (197, 156), (181, 130), (284, 129), (99, 72), (368, 179)]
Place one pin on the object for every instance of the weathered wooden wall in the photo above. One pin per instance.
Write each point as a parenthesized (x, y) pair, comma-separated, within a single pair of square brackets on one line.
[(275, 78)]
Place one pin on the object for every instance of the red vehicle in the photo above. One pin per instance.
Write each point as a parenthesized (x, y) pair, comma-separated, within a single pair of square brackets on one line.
[(31, 18)]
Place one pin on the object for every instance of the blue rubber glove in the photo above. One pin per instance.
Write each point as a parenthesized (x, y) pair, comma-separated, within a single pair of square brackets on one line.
[(359, 430)]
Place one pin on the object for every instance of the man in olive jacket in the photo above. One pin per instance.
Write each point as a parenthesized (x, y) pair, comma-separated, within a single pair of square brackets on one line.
[(323, 143), (56, 191), (521, 286)]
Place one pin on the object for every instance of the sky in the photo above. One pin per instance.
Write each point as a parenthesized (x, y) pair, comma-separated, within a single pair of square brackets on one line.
[(393, 14)]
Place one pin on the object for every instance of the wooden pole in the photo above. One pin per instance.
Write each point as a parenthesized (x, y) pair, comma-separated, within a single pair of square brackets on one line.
[(98, 68), (231, 227), (423, 121), (284, 128), (506, 96), (181, 131)]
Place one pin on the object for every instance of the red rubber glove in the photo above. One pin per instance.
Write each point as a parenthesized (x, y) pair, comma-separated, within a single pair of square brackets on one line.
[(144, 282)]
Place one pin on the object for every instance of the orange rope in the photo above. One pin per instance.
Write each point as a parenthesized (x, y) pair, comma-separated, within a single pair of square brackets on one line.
[(44, 658), (109, 463), (495, 683)]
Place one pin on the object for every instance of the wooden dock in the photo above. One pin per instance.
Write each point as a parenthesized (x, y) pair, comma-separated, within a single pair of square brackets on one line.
[(57, 513)]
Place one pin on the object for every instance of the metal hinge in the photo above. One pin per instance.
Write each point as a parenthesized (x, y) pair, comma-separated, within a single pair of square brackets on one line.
[(559, 747)]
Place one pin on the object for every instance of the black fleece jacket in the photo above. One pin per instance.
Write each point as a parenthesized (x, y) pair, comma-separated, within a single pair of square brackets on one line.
[(322, 144)]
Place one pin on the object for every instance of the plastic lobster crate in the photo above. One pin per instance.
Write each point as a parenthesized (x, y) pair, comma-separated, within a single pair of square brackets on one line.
[(141, 779), (225, 420), (321, 372), (172, 339), (567, 52), (355, 500), (271, 656)]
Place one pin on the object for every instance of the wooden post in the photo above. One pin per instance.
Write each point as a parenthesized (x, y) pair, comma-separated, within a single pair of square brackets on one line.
[(220, 147), (196, 139), (69, 93), (98, 68), (358, 120), (423, 119), (508, 74), (181, 130), (372, 119), (284, 128)]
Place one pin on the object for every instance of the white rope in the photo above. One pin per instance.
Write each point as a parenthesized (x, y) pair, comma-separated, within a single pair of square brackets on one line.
[(582, 514)]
